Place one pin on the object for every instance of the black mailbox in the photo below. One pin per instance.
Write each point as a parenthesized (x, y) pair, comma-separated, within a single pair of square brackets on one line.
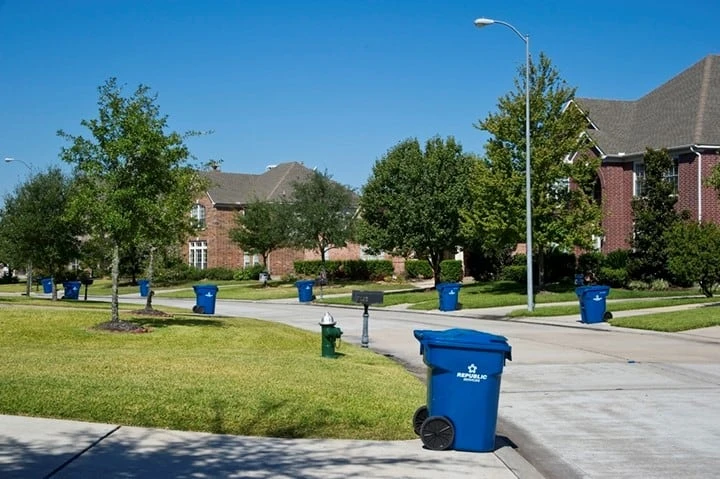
[(367, 297)]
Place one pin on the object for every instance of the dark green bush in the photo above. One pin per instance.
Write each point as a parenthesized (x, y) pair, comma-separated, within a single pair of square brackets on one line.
[(451, 271), (313, 268), (219, 274), (418, 269), (486, 265), (515, 273), (177, 273), (519, 260), (379, 269), (614, 277), (559, 266), (617, 259), (590, 263)]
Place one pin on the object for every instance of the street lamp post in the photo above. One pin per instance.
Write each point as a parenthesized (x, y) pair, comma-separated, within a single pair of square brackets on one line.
[(483, 22), (28, 272)]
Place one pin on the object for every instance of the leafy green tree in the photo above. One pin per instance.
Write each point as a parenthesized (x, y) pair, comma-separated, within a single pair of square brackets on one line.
[(263, 228), (133, 184), (564, 213), (654, 214), (411, 203), (34, 226), (692, 251), (323, 214)]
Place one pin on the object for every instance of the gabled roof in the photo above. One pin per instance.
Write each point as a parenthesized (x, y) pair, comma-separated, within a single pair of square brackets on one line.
[(241, 188), (684, 111)]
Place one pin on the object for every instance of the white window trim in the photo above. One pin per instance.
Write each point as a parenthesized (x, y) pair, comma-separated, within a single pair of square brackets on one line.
[(195, 248)]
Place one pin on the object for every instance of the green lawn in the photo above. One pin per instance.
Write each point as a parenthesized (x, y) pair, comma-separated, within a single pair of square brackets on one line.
[(564, 310), (234, 376), (703, 317)]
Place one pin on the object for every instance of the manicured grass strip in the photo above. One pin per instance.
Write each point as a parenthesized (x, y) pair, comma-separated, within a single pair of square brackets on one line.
[(565, 310), (77, 304), (703, 317), (234, 376)]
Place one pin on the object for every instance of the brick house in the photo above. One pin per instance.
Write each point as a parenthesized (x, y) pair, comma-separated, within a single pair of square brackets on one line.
[(227, 196), (682, 116)]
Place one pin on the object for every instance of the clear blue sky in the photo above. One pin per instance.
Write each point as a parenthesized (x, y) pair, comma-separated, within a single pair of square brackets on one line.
[(330, 83)]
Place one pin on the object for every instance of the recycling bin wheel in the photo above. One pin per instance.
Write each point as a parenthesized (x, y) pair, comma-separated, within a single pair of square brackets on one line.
[(437, 433), (419, 417), (198, 309), (607, 315)]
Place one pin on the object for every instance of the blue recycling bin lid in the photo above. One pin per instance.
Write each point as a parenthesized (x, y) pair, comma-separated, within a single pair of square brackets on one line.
[(202, 288), (463, 339), (596, 289)]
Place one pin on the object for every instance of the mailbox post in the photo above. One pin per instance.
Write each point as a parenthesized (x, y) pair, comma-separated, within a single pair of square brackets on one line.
[(366, 298)]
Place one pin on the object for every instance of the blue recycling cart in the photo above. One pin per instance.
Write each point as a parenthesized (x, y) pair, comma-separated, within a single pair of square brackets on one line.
[(205, 295), (464, 371), (305, 290), (72, 289), (593, 303), (448, 293)]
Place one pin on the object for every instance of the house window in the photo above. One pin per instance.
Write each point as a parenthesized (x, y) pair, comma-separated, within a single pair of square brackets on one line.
[(198, 254), (198, 214), (672, 176), (250, 260), (365, 256), (640, 188), (639, 182)]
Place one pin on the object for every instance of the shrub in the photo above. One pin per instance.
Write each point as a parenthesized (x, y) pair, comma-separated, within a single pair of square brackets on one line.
[(379, 269), (519, 260), (590, 263), (638, 285), (451, 271), (219, 274), (515, 273), (617, 259), (250, 273), (559, 266), (615, 277), (659, 285), (313, 268), (486, 265), (418, 268), (177, 273)]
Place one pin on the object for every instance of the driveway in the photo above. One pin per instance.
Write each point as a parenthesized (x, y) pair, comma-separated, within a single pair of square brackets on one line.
[(585, 401)]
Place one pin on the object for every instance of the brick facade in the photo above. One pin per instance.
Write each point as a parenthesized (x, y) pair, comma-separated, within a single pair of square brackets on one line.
[(617, 181)]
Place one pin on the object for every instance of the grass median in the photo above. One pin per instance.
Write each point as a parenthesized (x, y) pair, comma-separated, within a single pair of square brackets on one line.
[(702, 317), (233, 376), (570, 309)]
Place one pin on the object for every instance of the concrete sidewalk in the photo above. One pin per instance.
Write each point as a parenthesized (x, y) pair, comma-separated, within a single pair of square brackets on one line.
[(49, 448)]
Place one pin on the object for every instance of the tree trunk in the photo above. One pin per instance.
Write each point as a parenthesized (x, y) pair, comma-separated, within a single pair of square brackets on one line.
[(28, 275), (54, 290), (541, 269), (434, 260), (151, 261), (706, 287), (114, 311)]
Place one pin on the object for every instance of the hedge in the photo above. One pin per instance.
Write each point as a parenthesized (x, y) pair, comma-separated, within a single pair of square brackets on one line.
[(451, 271), (356, 269), (418, 269)]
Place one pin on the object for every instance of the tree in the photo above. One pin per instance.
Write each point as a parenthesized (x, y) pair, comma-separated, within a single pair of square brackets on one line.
[(653, 214), (133, 184), (692, 251), (34, 227), (411, 203), (263, 228), (323, 214), (564, 213)]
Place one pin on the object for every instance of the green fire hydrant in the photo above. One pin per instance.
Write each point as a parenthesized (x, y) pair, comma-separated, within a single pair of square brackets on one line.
[(329, 334)]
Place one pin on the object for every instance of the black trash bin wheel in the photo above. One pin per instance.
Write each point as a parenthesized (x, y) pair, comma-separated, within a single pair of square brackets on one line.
[(419, 417), (437, 433), (607, 315), (198, 309)]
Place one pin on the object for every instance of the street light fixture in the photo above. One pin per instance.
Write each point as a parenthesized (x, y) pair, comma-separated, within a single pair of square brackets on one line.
[(483, 22), (10, 160)]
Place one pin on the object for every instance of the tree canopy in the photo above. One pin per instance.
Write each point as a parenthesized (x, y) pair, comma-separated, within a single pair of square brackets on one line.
[(692, 250), (411, 203), (323, 214), (653, 215), (34, 226), (564, 211), (133, 181), (263, 227)]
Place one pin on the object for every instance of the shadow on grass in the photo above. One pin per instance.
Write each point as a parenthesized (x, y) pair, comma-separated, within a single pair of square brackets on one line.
[(150, 322)]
